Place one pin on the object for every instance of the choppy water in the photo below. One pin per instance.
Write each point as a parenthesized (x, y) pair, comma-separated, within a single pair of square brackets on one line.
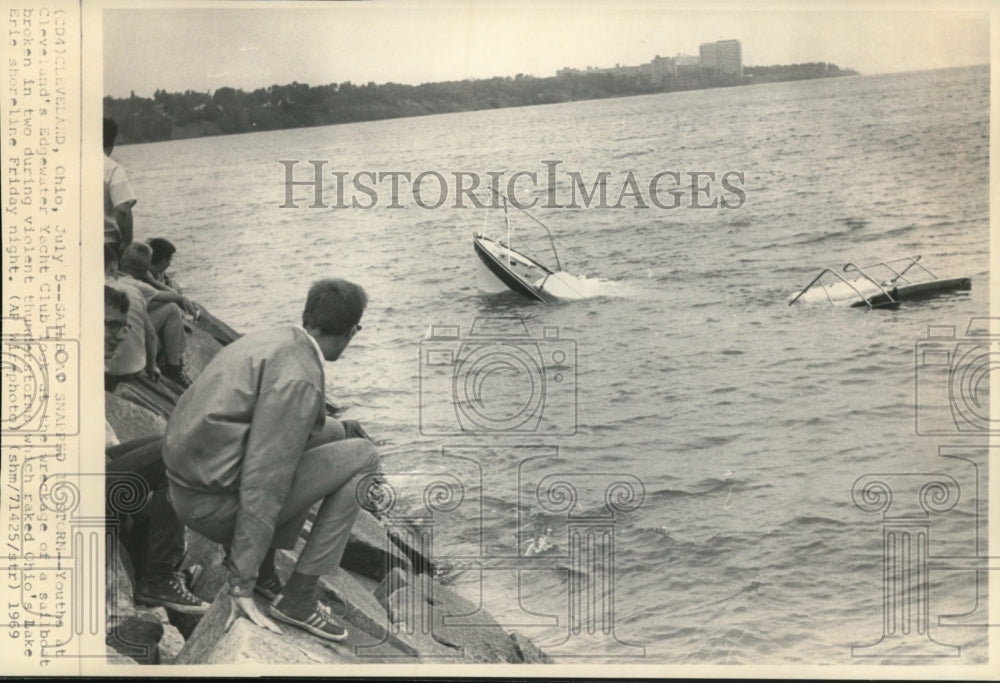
[(744, 421)]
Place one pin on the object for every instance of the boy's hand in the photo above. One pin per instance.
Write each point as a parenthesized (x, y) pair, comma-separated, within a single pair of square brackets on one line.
[(246, 607), (353, 430)]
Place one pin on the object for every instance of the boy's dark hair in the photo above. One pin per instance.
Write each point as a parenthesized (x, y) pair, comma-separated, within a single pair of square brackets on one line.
[(110, 132), (115, 299), (162, 249), (334, 306)]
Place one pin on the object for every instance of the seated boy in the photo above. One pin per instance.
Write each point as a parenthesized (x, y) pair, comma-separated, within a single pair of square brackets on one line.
[(164, 308), (249, 450)]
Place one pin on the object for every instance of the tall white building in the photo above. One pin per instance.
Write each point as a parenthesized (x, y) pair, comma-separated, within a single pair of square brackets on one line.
[(722, 58)]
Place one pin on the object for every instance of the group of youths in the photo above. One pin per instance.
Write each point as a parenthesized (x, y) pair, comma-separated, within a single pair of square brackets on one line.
[(249, 448), (155, 332)]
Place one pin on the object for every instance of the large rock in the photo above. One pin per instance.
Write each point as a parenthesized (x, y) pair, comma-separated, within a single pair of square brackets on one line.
[(475, 631), (246, 643), (201, 348), (370, 552), (116, 657), (243, 643), (414, 600), (142, 634), (399, 578), (528, 651), (158, 398), (351, 601), (118, 600), (215, 328), (400, 536), (130, 420), (137, 636), (172, 642)]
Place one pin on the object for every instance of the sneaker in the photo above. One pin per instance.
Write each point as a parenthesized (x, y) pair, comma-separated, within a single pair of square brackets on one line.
[(315, 621), (269, 587), (177, 375), (172, 594)]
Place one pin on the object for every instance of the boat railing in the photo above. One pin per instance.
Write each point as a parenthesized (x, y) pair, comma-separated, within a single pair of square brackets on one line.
[(898, 268), (899, 275), (849, 283), (851, 267)]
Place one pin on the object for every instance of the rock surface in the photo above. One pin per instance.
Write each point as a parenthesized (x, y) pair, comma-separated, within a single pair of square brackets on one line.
[(130, 420), (137, 636), (245, 643), (370, 552), (142, 634)]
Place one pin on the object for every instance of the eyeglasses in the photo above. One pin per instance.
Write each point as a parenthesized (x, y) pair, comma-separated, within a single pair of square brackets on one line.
[(116, 326)]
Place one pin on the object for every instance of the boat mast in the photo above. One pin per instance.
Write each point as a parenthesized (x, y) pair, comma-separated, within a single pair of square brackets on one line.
[(552, 241), (506, 219)]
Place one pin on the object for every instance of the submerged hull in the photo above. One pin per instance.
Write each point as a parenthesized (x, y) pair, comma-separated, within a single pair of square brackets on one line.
[(880, 285), (515, 270), (921, 290)]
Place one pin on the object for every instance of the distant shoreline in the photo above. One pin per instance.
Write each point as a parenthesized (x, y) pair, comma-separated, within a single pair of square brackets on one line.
[(227, 111)]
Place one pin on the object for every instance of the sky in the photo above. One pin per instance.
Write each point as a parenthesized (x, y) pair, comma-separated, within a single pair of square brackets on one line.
[(250, 45)]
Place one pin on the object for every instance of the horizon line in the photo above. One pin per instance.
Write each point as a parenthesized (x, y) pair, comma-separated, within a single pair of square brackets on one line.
[(486, 78)]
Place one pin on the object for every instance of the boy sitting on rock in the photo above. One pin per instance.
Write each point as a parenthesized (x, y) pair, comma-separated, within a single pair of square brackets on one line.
[(164, 307)]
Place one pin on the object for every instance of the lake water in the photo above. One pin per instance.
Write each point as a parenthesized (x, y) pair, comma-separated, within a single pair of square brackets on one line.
[(737, 425)]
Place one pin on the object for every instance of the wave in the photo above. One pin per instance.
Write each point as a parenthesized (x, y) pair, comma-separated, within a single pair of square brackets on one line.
[(704, 487), (815, 520), (571, 288)]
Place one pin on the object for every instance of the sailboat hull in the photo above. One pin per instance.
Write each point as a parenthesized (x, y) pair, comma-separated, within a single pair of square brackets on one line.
[(512, 268)]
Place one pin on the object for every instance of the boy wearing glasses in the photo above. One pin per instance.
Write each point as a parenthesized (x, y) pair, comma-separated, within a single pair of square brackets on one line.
[(249, 449)]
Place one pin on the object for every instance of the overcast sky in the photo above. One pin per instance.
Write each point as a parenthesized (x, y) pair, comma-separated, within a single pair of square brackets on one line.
[(257, 45)]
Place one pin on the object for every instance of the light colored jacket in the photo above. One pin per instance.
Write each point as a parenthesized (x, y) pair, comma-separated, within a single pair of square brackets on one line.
[(242, 427)]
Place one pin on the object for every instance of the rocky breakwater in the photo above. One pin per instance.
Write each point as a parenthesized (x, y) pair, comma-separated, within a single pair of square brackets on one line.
[(384, 592)]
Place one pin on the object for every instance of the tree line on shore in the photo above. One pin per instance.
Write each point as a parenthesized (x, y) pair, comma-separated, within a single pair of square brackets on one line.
[(174, 116)]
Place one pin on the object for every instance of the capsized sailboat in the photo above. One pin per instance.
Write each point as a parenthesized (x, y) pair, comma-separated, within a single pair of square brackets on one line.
[(501, 267), (880, 285)]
